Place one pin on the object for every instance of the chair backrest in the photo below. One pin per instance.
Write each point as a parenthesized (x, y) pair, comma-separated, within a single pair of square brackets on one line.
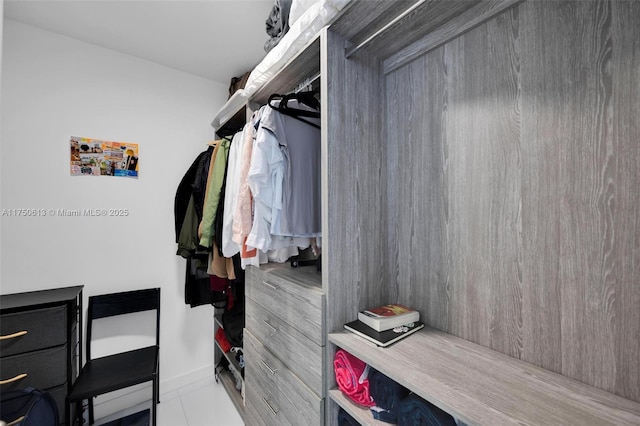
[(128, 302)]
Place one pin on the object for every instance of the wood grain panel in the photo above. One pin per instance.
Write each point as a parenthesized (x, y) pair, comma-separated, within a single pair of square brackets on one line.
[(514, 152), (625, 137), (449, 30), (484, 387), (416, 196), (304, 65), (293, 402), (483, 174), (301, 355), (590, 190), (370, 27), (292, 294), (354, 216), (545, 108), (361, 18)]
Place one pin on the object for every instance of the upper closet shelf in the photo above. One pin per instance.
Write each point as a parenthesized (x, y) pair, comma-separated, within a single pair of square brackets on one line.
[(232, 108), (304, 65), (302, 33)]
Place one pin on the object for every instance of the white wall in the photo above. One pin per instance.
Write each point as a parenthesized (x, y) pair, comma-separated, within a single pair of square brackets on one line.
[(54, 87)]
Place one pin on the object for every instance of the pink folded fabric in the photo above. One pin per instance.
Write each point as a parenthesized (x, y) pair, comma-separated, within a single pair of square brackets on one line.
[(351, 376)]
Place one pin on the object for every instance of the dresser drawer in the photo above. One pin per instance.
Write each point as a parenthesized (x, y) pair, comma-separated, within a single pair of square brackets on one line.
[(294, 294), (44, 328), (58, 394), (299, 353), (44, 369), (273, 392)]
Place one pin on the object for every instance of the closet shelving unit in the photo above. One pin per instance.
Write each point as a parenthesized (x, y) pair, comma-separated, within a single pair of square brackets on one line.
[(229, 120), (462, 176), (225, 377), (460, 180), (237, 111)]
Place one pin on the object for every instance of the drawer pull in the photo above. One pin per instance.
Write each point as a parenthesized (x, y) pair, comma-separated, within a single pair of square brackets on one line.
[(273, 287), (273, 410), (13, 379), (271, 370), (14, 335), (270, 326), (16, 421)]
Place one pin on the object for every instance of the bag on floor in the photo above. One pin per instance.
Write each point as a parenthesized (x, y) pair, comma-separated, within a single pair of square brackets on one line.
[(28, 407), (233, 323)]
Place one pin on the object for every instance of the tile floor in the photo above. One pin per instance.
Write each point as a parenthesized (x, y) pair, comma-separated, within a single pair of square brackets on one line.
[(201, 404)]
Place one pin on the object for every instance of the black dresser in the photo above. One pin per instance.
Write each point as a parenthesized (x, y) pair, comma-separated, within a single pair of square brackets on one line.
[(41, 341)]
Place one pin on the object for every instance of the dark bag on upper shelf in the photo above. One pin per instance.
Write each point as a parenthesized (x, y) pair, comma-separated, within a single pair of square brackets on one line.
[(238, 83)]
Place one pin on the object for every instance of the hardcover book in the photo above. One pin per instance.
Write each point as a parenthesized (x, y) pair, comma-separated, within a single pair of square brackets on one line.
[(382, 338), (386, 317)]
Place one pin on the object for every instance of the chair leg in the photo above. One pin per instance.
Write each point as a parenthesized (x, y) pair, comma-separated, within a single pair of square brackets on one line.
[(73, 410), (67, 412), (91, 419), (156, 398)]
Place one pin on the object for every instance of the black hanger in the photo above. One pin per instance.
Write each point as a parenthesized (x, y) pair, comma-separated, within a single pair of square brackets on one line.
[(306, 98)]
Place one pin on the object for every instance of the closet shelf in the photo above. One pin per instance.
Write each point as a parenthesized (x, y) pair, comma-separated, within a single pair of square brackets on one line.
[(481, 386), (361, 414), (304, 65), (227, 380), (399, 32), (234, 107), (230, 356)]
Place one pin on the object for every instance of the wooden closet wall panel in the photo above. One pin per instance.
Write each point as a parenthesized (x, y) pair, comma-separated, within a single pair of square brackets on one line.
[(458, 181), (482, 141), (354, 216), (416, 197), (528, 186), (626, 63), (582, 79)]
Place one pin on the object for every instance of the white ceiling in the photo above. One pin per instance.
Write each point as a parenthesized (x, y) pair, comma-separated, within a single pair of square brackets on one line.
[(214, 39)]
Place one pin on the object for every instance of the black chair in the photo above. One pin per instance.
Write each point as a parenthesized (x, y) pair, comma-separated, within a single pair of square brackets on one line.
[(120, 370)]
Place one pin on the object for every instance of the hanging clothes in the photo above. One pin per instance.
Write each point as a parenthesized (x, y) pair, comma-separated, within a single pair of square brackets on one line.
[(300, 214), (196, 285), (199, 167), (214, 185), (232, 190), (260, 201), (284, 179), (243, 212)]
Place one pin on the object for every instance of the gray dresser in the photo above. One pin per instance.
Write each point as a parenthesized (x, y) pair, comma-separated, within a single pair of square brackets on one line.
[(40, 345), (284, 346)]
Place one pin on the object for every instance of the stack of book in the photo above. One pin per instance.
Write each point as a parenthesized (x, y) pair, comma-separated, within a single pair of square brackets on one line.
[(386, 324)]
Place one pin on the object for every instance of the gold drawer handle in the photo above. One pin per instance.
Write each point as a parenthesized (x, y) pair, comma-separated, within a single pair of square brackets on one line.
[(16, 421), (273, 287), (14, 335), (272, 370), (13, 379), (273, 410)]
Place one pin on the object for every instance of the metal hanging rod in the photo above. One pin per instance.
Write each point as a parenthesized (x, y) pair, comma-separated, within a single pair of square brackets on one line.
[(350, 52), (306, 83)]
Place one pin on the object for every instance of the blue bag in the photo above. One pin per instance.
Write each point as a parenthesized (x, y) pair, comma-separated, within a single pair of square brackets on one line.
[(28, 407)]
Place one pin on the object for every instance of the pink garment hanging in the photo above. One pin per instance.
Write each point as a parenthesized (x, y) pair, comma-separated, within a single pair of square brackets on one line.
[(351, 376)]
